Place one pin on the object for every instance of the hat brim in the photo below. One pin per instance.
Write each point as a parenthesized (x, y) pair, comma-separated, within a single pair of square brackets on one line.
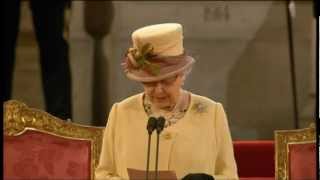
[(143, 76)]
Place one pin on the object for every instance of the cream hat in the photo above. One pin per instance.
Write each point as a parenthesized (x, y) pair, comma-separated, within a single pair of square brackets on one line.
[(157, 53)]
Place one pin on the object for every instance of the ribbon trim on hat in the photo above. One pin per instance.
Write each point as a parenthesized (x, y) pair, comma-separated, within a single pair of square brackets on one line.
[(146, 60)]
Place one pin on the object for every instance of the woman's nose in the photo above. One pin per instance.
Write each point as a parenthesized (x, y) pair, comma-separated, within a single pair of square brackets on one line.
[(159, 88)]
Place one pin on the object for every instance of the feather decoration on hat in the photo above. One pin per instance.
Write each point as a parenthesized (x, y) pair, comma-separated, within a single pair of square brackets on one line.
[(139, 59)]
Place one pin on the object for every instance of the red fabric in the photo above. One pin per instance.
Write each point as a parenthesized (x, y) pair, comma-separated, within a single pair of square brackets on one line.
[(257, 178), (255, 158), (36, 155), (302, 164)]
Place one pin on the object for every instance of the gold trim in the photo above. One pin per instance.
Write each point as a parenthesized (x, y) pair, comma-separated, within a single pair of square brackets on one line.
[(18, 118), (282, 140)]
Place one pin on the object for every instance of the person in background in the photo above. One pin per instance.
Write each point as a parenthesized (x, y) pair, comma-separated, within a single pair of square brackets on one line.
[(195, 143), (48, 20)]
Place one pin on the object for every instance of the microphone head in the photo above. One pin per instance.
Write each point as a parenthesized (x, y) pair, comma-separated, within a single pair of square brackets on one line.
[(152, 124), (160, 124)]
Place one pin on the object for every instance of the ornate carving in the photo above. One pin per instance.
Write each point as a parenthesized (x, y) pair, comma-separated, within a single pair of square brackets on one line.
[(282, 139), (18, 118)]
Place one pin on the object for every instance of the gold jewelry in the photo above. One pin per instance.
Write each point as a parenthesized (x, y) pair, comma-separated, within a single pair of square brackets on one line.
[(172, 116)]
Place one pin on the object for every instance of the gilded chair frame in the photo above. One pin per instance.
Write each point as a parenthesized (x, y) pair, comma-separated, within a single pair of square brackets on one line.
[(284, 138), (18, 118)]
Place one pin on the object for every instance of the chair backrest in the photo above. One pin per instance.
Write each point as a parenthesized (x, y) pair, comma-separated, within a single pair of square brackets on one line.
[(254, 158), (296, 154), (38, 145)]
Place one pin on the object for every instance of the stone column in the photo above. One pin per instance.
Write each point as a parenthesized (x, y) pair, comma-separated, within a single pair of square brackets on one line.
[(81, 62), (98, 18)]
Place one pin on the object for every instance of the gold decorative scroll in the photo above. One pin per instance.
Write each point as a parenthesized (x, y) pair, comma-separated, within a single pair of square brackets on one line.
[(18, 118), (282, 140)]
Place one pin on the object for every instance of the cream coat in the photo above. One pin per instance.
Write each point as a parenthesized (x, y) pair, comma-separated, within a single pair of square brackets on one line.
[(200, 142)]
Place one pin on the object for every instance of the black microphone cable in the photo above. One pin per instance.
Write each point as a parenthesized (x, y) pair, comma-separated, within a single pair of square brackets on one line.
[(160, 125), (151, 126)]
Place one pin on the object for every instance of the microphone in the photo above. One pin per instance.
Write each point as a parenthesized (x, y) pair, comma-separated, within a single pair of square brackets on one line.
[(151, 126), (160, 125)]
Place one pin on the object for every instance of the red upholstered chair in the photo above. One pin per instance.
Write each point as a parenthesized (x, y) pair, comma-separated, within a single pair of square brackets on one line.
[(40, 146), (296, 154), (255, 159)]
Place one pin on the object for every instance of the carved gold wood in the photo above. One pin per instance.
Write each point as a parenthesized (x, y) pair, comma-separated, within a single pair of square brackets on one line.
[(282, 140), (19, 118)]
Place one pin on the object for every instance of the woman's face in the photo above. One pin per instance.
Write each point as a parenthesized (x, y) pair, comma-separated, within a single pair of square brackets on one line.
[(165, 93)]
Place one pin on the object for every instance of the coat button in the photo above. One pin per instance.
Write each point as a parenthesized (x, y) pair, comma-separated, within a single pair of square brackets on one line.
[(167, 136)]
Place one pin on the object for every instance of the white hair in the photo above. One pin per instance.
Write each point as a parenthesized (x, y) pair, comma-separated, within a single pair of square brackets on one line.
[(186, 72)]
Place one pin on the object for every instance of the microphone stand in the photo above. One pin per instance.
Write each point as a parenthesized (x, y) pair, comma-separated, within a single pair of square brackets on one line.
[(160, 125), (151, 126)]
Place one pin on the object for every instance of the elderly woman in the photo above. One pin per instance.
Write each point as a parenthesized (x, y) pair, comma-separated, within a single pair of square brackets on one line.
[(196, 137)]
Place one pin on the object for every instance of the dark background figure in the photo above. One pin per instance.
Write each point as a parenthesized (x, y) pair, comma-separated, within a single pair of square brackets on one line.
[(48, 21)]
